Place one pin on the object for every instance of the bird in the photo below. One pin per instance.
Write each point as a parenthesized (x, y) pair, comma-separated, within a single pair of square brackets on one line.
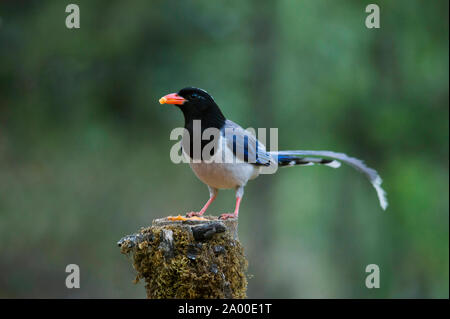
[(231, 155)]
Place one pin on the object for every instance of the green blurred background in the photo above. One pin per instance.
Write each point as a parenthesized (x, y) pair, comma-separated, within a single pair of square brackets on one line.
[(84, 144)]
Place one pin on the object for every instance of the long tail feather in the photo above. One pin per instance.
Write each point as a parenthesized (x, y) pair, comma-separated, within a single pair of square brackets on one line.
[(358, 164), (291, 160)]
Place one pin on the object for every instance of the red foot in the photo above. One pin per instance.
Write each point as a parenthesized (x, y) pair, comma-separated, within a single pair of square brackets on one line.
[(226, 216), (194, 214)]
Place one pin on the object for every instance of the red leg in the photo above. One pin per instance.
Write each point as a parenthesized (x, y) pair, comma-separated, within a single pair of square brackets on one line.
[(203, 210), (236, 210)]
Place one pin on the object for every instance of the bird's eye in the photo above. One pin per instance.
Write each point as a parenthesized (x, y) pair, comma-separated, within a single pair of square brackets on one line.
[(194, 95)]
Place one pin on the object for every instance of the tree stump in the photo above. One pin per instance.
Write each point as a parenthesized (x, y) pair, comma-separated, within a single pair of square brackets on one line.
[(189, 258)]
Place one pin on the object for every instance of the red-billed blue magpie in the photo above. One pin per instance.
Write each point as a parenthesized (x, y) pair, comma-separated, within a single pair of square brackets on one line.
[(233, 156)]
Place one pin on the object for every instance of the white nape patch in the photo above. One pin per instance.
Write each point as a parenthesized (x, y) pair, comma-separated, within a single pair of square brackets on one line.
[(334, 164)]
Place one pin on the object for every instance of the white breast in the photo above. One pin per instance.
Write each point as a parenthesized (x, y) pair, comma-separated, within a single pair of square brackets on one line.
[(224, 175)]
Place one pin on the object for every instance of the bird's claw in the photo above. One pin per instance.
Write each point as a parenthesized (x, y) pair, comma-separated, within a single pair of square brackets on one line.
[(226, 216), (194, 214)]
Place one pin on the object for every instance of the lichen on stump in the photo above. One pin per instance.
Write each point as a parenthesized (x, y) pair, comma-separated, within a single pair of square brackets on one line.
[(189, 258)]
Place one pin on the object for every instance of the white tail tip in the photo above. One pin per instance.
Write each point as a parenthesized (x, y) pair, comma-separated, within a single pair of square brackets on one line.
[(334, 164)]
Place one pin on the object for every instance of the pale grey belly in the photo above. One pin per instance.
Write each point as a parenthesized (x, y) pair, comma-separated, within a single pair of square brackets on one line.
[(225, 175)]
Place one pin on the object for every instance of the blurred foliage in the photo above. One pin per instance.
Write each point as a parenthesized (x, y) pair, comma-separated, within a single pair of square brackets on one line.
[(84, 145)]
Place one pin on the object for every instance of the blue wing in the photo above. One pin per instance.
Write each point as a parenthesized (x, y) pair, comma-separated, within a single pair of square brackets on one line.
[(245, 146)]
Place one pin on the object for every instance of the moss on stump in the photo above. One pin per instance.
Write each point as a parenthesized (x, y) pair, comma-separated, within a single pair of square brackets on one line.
[(189, 259)]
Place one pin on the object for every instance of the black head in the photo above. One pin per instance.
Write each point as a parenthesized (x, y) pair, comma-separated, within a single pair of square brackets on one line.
[(197, 97), (196, 104)]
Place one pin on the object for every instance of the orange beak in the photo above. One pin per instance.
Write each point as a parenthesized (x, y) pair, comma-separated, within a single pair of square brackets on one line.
[(172, 98)]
